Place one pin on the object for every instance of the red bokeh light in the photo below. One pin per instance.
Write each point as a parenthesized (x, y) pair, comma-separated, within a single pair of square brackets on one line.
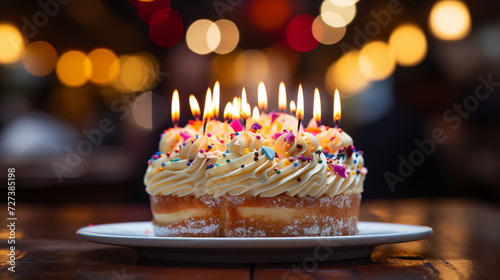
[(269, 14), (299, 33), (166, 28), (146, 10)]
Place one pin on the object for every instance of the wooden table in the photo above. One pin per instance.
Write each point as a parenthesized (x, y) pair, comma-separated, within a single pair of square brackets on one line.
[(465, 245)]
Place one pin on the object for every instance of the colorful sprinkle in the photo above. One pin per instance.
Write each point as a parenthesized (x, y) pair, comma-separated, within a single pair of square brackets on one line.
[(298, 179), (278, 172), (202, 151), (209, 134), (188, 163), (242, 165), (320, 161), (270, 153), (258, 137), (295, 164)]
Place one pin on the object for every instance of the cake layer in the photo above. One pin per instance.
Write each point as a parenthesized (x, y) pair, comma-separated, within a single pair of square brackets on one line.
[(285, 215), (187, 216), (246, 216)]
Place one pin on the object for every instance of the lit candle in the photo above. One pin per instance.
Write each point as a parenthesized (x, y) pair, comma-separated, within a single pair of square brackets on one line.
[(262, 97), (336, 109), (175, 108), (317, 107), (282, 98), (292, 107), (235, 114), (207, 110), (195, 107), (243, 99), (255, 113), (216, 100), (228, 111), (300, 107)]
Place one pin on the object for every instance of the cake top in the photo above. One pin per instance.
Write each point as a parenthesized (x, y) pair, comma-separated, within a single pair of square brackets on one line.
[(265, 158)]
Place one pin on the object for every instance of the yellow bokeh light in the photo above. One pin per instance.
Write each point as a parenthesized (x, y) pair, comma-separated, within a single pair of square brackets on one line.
[(345, 75), (11, 44), (150, 70), (40, 58), (409, 44), (229, 36), (132, 76), (337, 16), (203, 36), (73, 68), (326, 34), (223, 68), (343, 3), (450, 20), (377, 61), (105, 66), (251, 67)]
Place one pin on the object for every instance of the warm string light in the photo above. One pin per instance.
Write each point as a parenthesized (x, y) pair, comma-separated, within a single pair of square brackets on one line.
[(336, 109), (216, 100), (195, 107), (175, 108), (317, 107), (282, 98), (262, 97), (300, 107)]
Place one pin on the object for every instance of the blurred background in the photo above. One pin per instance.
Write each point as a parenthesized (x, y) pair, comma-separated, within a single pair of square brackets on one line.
[(86, 86)]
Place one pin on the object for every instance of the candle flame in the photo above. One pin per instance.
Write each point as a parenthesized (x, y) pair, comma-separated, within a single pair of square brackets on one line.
[(300, 103), (262, 97), (216, 100), (282, 97), (247, 110), (243, 99), (317, 107), (175, 107), (255, 113), (228, 110), (336, 107), (195, 107), (235, 114), (292, 107), (208, 109)]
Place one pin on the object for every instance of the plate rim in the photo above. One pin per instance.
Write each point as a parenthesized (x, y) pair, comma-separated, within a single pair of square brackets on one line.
[(418, 232)]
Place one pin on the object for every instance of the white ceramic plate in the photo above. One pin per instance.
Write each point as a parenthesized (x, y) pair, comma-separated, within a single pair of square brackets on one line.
[(140, 237)]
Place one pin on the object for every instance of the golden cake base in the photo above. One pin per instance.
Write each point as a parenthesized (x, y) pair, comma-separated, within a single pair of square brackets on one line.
[(251, 216)]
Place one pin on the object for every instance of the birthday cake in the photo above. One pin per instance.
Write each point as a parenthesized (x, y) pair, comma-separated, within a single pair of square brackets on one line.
[(221, 179)]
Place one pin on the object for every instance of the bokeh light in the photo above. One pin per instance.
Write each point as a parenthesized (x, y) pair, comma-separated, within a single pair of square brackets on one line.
[(40, 58), (377, 60), (223, 68), (338, 16), (269, 15), (136, 73), (73, 68), (11, 44), (229, 36), (147, 8), (343, 3), (105, 66), (409, 44), (251, 67), (166, 28), (299, 33), (203, 36), (326, 34), (450, 20), (345, 75)]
